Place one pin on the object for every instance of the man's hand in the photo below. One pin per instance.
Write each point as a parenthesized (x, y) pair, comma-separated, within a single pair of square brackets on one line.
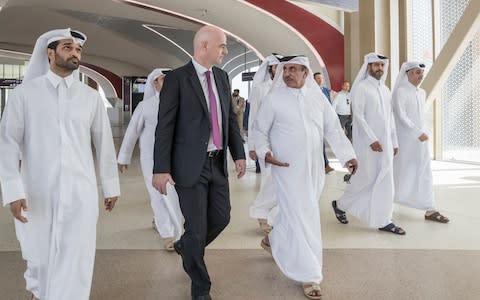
[(252, 154), (159, 181), (110, 203), (240, 167), (16, 208), (376, 146), (395, 151), (269, 159), (352, 166), (423, 137), (122, 167)]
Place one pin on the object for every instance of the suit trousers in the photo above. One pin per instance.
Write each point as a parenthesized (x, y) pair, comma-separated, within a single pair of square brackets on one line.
[(346, 123), (206, 209)]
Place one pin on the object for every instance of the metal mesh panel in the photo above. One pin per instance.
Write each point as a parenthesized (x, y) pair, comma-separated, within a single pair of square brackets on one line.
[(420, 45), (450, 13), (461, 93), (420, 37)]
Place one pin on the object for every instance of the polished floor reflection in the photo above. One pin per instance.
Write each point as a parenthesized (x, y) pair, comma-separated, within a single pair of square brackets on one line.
[(433, 261)]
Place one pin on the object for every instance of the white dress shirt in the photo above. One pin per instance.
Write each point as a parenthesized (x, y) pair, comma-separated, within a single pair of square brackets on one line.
[(342, 103), (203, 81)]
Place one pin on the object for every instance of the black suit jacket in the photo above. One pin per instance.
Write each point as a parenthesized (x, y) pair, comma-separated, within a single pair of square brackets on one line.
[(183, 128)]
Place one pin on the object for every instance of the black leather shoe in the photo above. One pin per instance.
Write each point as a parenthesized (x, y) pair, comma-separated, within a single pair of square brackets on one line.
[(203, 297), (177, 247)]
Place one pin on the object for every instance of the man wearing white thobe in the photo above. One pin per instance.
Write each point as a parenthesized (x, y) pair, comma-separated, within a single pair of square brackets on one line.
[(53, 119), (168, 219), (411, 167), (290, 128), (343, 108), (369, 197), (263, 208)]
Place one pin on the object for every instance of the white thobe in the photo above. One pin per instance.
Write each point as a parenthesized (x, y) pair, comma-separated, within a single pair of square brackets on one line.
[(292, 125), (411, 167), (369, 197), (55, 128), (341, 104), (166, 209), (265, 202)]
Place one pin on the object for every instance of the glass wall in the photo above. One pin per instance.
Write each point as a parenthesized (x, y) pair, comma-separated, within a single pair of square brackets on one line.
[(8, 71), (11, 71)]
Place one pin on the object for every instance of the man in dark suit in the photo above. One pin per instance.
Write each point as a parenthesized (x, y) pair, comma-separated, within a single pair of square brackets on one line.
[(196, 124)]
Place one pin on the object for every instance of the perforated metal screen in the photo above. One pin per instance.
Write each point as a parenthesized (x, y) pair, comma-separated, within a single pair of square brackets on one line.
[(460, 100)]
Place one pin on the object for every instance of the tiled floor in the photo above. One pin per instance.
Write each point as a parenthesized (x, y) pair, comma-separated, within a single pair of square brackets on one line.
[(433, 261)]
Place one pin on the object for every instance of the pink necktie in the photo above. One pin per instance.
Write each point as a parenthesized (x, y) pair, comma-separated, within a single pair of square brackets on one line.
[(217, 140)]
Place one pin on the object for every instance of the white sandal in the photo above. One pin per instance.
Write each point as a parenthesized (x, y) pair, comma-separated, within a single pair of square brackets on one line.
[(168, 243), (312, 287)]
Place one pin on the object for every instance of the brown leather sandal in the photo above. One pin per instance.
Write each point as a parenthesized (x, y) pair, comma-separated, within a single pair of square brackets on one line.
[(266, 246), (437, 217), (264, 226)]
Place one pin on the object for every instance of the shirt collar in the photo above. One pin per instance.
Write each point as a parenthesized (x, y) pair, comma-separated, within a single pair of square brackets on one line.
[(199, 68), (410, 85), (373, 80), (302, 90), (55, 79)]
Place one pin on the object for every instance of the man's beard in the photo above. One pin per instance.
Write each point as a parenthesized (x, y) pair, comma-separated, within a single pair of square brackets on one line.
[(377, 75), (68, 64)]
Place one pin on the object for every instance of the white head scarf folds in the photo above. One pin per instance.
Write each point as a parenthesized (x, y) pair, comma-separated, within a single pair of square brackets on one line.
[(310, 86), (294, 59), (150, 90), (363, 72), (262, 73), (402, 78), (39, 65)]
